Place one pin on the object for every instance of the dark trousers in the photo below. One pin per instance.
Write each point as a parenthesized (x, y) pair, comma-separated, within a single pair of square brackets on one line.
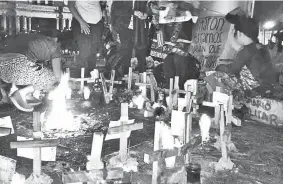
[(182, 66), (126, 38), (88, 45)]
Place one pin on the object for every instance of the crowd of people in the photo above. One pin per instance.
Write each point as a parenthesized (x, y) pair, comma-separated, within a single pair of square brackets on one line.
[(32, 62)]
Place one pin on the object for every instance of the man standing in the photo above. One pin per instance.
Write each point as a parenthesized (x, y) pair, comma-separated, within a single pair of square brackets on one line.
[(87, 27)]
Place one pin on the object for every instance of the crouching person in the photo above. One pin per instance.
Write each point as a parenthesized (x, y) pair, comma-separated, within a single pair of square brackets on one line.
[(24, 64)]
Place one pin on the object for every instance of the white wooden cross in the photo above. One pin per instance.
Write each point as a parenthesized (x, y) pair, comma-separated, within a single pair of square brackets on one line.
[(91, 79), (37, 144), (143, 86), (225, 161), (94, 160), (227, 100), (121, 129)]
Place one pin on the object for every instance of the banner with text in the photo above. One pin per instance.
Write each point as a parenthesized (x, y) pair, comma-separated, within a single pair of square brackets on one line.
[(265, 110), (208, 40)]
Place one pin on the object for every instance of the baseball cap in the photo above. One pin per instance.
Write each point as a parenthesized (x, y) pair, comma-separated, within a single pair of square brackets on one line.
[(244, 24)]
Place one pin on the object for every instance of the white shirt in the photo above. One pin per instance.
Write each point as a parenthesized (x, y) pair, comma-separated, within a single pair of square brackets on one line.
[(90, 10)]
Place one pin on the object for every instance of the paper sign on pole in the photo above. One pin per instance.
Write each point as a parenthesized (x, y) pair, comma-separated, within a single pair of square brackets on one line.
[(6, 122), (7, 169), (47, 153)]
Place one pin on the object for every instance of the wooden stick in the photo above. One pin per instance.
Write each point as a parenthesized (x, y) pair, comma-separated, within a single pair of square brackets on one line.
[(222, 129), (170, 94), (125, 128), (111, 81), (95, 157), (152, 90), (37, 151), (188, 136), (217, 109), (92, 175), (34, 143), (129, 78), (123, 135), (157, 146), (144, 78), (188, 100), (175, 96), (82, 76)]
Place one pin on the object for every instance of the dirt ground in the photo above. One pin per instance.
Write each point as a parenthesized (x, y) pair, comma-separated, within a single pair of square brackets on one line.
[(259, 158)]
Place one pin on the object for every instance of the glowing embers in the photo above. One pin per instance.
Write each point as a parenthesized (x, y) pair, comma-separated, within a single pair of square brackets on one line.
[(60, 117)]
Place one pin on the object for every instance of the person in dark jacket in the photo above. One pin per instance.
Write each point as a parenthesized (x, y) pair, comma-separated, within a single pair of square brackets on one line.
[(124, 15), (250, 70)]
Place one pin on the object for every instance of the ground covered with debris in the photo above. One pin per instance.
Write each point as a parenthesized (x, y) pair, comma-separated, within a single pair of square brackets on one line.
[(259, 156)]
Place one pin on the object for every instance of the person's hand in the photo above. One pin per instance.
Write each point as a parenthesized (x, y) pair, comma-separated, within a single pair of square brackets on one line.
[(85, 27)]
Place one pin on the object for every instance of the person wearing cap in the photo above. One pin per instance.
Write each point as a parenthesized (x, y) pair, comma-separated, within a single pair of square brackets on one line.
[(250, 69), (24, 63)]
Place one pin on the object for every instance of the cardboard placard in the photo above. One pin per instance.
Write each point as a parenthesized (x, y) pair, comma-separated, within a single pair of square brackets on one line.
[(47, 153), (266, 110), (6, 122), (7, 169), (209, 37)]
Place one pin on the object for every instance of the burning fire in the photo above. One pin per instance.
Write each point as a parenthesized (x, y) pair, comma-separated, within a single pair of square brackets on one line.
[(59, 117)]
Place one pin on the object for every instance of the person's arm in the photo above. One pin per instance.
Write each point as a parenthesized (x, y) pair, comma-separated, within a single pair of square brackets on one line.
[(85, 28), (237, 65)]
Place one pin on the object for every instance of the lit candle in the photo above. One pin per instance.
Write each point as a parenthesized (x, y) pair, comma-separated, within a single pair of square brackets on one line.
[(87, 92), (204, 124), (68, 93)]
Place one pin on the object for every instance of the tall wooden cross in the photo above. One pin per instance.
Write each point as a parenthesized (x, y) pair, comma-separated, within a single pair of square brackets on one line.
[(159, 155), (121, 129), (37, 144)]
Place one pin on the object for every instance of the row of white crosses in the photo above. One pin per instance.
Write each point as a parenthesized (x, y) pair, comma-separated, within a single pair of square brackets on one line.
[(181, 126), (97, 77), (120, 129)]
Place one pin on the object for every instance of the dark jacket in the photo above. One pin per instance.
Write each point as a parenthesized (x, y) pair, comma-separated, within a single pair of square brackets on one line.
[(256, 61)]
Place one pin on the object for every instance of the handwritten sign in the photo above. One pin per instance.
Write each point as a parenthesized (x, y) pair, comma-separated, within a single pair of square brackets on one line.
[(7, 169), (265, 110), (208, 40), (47, 153)]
